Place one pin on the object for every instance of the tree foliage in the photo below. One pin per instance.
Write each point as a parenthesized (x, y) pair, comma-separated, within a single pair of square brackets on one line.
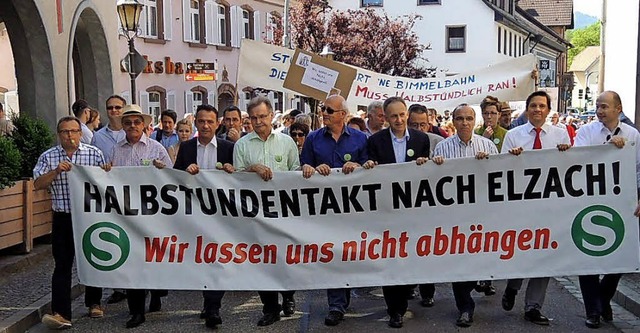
[(362, 38), (32, 136), (581, 38)]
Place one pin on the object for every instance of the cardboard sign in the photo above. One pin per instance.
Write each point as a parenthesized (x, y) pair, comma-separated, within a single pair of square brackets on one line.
[(318, 77)]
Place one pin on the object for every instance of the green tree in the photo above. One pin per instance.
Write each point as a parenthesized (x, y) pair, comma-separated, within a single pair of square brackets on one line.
[(581, 38)]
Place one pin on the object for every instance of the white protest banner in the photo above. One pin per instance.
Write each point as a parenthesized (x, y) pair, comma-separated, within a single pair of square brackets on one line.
[(266, 66), (544, 213), (263, 65)]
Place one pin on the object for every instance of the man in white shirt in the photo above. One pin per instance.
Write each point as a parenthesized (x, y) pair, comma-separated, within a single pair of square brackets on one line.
[(597, 294), (82, 111), (535, 134)]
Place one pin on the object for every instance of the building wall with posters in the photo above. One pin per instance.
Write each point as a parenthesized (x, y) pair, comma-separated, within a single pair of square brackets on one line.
[(177, 32)]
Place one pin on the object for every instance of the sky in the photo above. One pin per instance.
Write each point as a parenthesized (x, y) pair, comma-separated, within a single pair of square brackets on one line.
[(590, 7)]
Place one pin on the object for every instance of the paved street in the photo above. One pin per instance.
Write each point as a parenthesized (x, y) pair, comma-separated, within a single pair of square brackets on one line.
[(241, 311)]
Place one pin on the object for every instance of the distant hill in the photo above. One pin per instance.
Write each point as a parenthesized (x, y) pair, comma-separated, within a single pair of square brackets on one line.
[(582, 20)]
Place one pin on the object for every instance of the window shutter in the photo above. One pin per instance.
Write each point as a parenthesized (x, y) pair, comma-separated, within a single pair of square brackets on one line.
[(235, 32), (257, 26), (188, 101), (269, 24), (211, 22), (271, 97), (142, 23), (211, 98), (171, 100), (144, 103), (186, 21), (168, 20), (125, 95)]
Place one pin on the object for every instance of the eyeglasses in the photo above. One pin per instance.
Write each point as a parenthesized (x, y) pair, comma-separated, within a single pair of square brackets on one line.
[(132, 122), (490, 113), (114, 107), (67, 132), (297, 135), (329, 110)]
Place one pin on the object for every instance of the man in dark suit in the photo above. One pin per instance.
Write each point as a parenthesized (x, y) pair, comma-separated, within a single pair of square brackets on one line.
[(397, 144), (205, 152)]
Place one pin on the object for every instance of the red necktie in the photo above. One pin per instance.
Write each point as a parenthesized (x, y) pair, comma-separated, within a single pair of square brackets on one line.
[(537, 144)]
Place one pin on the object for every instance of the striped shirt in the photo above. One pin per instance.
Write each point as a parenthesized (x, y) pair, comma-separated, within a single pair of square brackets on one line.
[(525, 135), (453, 147), (279, 152), (105, 139), (596, 133), (141, 153), (86, 155)]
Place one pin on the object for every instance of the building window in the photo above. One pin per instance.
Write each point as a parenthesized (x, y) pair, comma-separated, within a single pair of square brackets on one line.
[(154, 105), (428, 2), (222, 24), (197, 100), (510, 43), (152, 18), (194, 14), (246, 27), (499, 39), (456, 39), (371, 3)]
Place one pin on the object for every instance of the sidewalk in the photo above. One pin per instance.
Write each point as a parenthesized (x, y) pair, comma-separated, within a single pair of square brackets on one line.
[(25, 292), (25, 288)]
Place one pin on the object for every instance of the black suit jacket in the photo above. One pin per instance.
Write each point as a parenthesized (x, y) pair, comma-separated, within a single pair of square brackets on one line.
[(380, 147), (188, 153)]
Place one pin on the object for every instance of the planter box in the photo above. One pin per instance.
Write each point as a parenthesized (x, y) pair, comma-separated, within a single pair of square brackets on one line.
[(25, 214)]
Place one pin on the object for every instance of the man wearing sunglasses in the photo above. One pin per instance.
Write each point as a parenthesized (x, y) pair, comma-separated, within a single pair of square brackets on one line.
[(334, 146), (107, 137)]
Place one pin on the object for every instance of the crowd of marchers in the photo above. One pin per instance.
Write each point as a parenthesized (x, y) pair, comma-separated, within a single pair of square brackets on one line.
[(262, 141)]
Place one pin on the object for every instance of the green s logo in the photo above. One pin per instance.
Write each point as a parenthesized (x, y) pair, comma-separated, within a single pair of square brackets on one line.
[(597, 230), (105, 246)]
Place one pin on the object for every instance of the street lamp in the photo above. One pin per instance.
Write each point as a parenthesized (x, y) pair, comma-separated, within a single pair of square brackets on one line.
[(129, 13), (327, 52)]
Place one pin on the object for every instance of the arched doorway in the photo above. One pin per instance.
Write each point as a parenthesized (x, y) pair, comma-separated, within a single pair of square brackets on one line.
[(226, 96), (90, 75), (32, 56)]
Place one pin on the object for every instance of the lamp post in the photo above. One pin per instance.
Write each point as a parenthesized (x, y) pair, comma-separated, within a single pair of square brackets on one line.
[(129, 13)]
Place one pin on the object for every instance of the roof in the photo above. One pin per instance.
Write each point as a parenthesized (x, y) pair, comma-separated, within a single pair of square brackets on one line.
[(550, 12), (585, 59)]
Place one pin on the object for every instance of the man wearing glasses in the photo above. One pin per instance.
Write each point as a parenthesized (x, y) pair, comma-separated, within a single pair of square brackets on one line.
[(137, 149), (51, 172), (107, 137), (334, 146), (490, 129), (264, 151)]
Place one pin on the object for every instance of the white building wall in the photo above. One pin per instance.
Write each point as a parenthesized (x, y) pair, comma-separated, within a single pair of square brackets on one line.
[(481, 32), (180, 51), (621, 35)]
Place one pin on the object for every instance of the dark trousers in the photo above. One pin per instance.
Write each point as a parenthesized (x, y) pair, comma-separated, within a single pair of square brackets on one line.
[(427, 290), (136, 299), (598, 293), (462, 294), (63, 255), (270, 303), (212, 301), (396, 298)]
